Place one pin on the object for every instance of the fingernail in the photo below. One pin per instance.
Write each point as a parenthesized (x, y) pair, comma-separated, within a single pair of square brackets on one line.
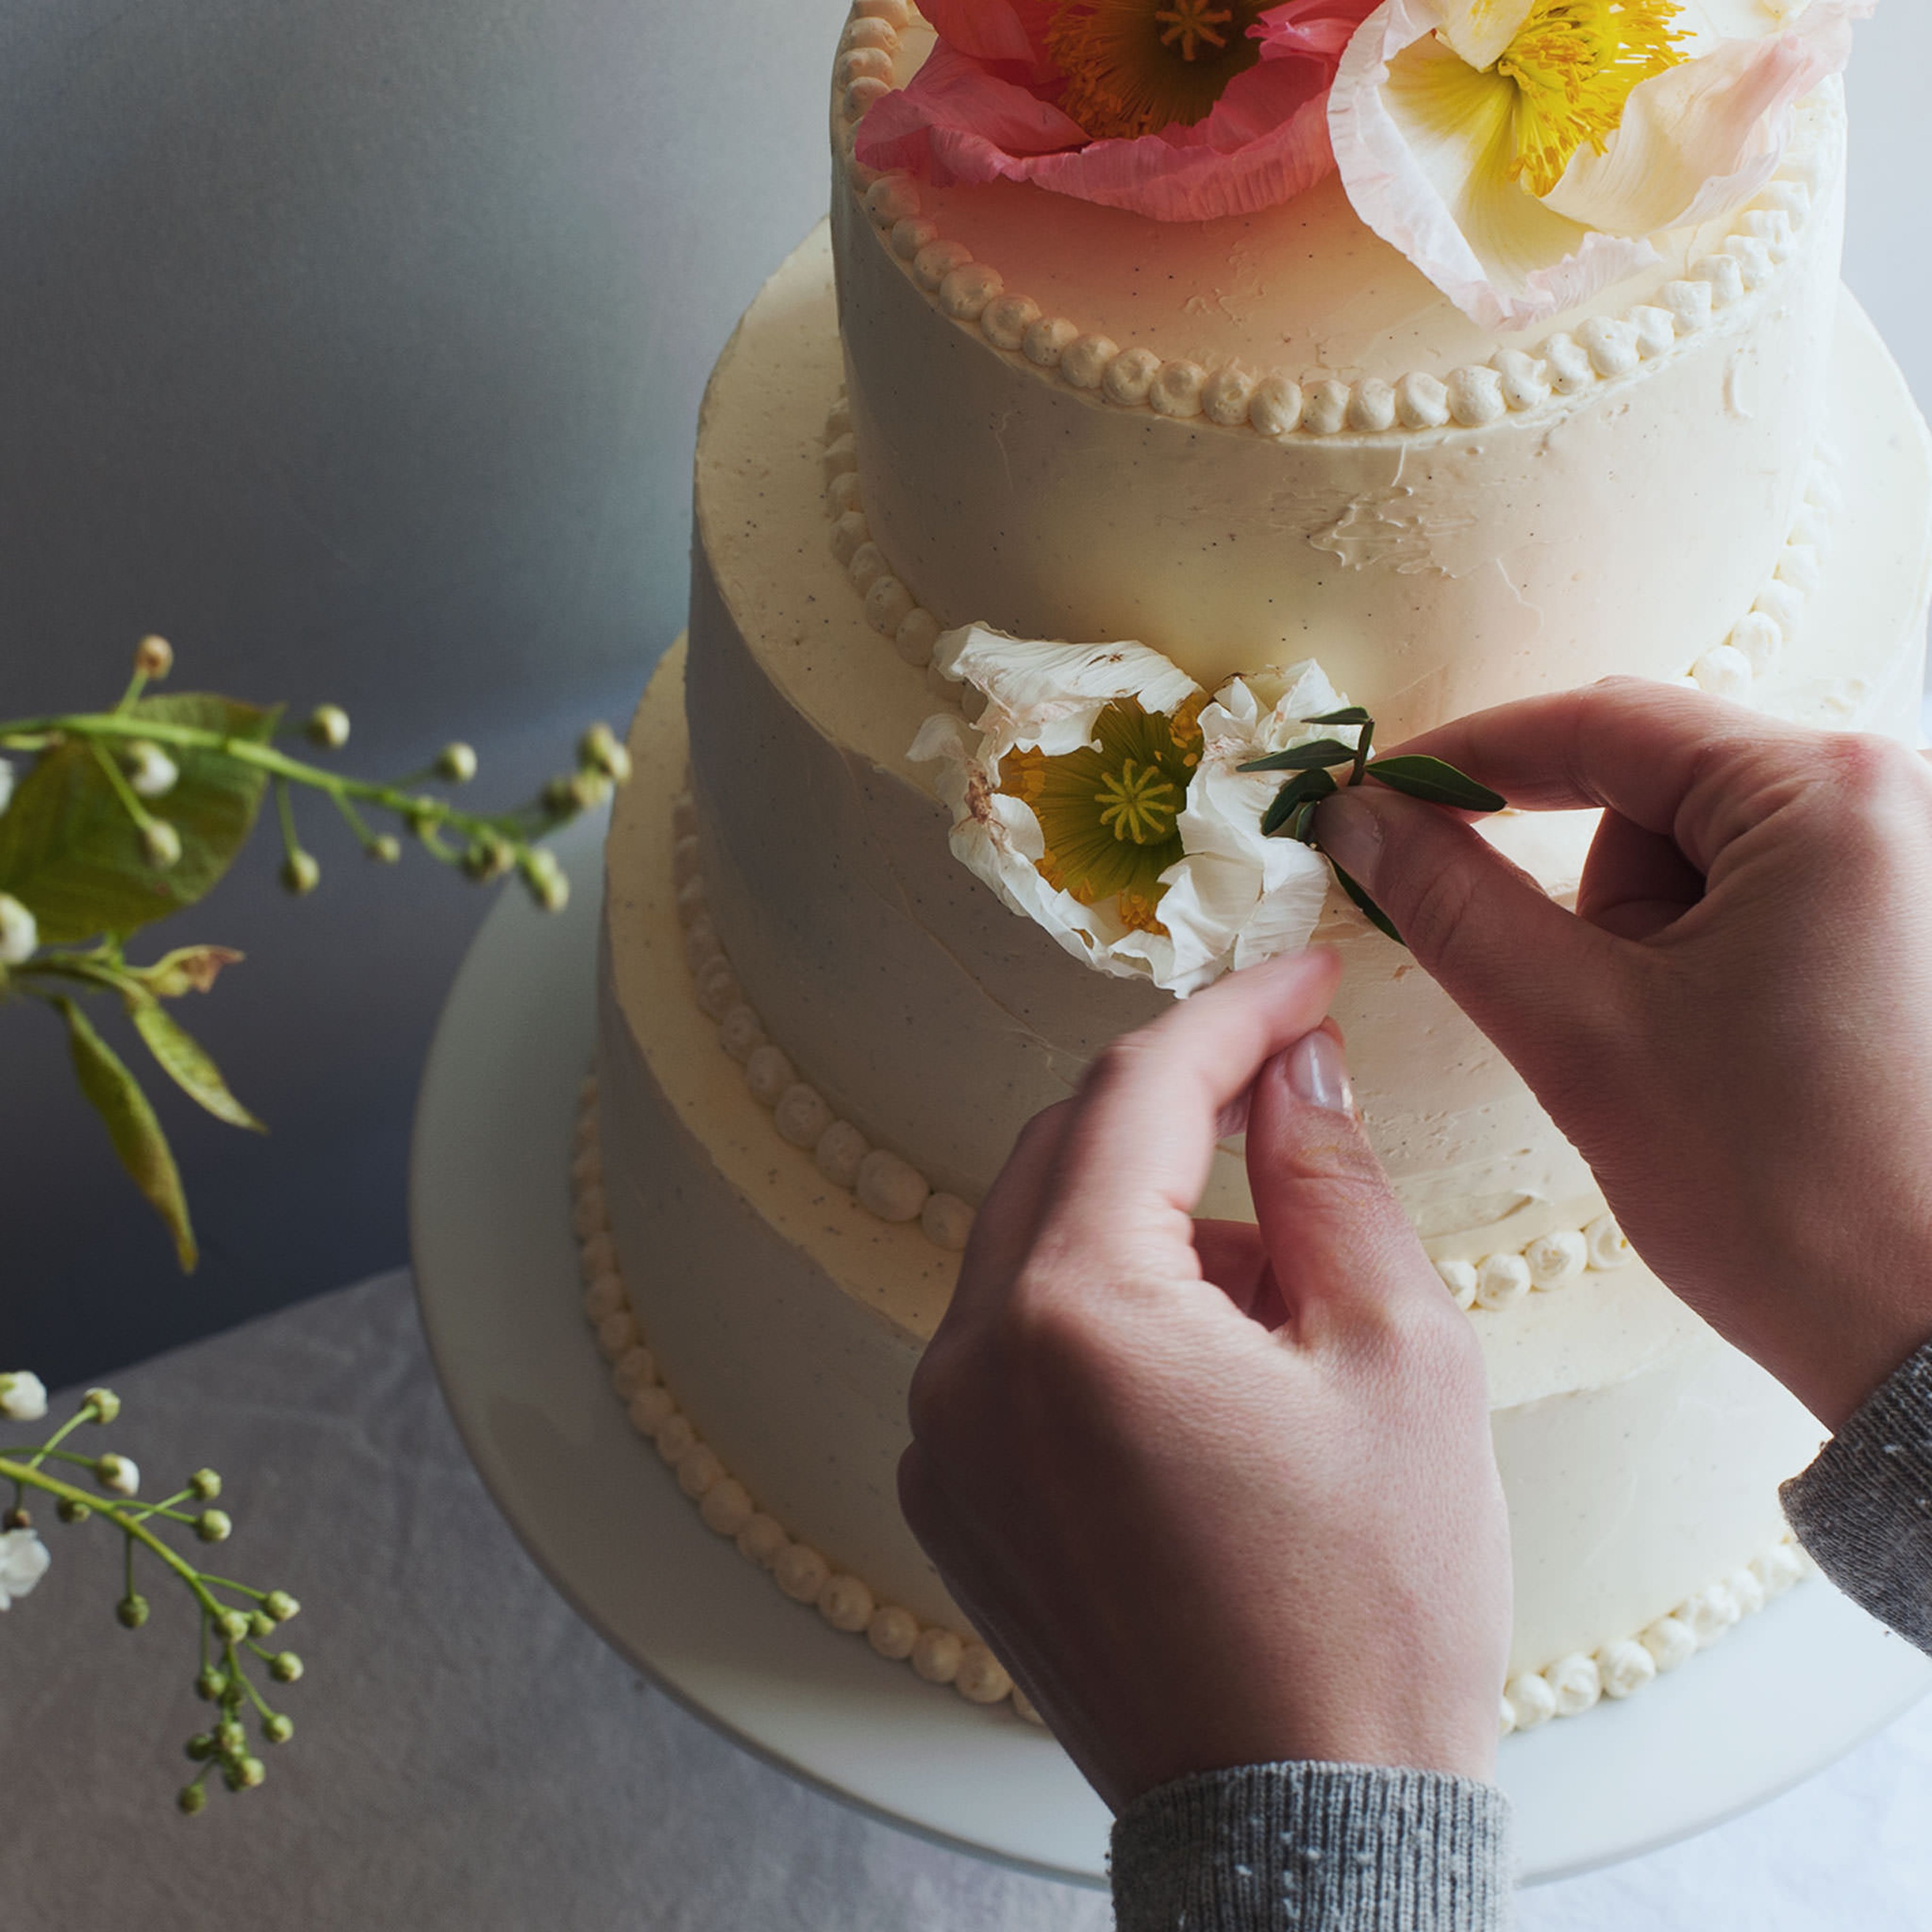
[(1349, 830), (1319, 1074)]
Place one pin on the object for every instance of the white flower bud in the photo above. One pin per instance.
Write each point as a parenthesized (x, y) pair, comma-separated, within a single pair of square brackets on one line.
[(23, 1396), (163, 845), (328, 727), (300, 874), (6, 784), (154, 657), (120, 1475), (386, 849), (23, 1562), (151, 772), (603, 752), (545, 878), (457, 763)]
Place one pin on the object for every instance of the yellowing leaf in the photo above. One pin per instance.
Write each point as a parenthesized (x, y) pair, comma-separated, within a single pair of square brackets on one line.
[(187, 1063)]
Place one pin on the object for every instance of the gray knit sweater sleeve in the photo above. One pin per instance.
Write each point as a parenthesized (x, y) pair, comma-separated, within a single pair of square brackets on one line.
[(1318, 1847), (1863, 1509)]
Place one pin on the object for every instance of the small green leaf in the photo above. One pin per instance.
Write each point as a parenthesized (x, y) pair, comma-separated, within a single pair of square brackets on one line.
[(1302, 758), (1369, 910), (1354, 714), (1299, 789), (188, 1064), (136, 1134), (1437, 783), (1301, 825), (71, 854)]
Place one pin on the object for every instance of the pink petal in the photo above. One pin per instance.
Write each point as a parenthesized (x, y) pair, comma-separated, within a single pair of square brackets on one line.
[(1003, 31), (958, 121), (1701, 139)]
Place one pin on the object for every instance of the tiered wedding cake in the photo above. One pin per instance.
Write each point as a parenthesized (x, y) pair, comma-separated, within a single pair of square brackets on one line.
[(1242, 441)]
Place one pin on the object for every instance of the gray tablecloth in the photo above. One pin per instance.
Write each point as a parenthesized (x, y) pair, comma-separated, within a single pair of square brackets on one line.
[(469, 1756)]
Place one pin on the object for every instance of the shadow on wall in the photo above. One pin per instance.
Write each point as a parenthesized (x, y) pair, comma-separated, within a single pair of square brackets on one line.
[(356, 346)]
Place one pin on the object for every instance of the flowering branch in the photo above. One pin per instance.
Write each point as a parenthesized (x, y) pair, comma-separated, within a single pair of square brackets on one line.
[(231, 1631)]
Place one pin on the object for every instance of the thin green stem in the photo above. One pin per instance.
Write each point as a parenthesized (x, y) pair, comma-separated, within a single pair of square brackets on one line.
[(285, 813), (21, 1472), (356, 824), (61, 1435), (128, 1569), (118, 779), (167, 1504), (136, 685), (229, 1583)]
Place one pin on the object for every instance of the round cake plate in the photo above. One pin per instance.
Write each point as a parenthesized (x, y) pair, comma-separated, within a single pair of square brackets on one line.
[(1783, 1694)]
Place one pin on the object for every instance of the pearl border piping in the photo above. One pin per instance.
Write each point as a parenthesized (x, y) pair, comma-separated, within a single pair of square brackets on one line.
[(1275, 404), (807, 1576)]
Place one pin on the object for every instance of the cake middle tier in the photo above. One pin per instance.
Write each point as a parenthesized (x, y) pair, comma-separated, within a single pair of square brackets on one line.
[(936, 1021)]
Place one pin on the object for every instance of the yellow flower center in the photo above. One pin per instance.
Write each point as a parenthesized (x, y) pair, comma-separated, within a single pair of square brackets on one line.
[(1574, 63), (1109, 812), (1135, 66)]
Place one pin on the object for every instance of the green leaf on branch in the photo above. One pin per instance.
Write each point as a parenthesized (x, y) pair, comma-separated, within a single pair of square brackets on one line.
[(1369, 910), (72, 855), (1352, 714), (188, 1064), (1303, 757), (136, 1134), (1430, 779), (1299, 791)]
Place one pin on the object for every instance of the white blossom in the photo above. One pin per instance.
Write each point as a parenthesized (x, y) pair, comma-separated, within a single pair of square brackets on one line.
[(120, 1474), (6, 784), (20, 932), (151, 773), (23, 1396), (1234, 899), (23, 1562)]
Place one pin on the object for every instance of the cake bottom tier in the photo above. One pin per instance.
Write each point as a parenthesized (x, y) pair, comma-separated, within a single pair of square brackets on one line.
[(784, 1318)]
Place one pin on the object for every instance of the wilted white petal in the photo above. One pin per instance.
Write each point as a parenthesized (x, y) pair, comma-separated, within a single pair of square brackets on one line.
[(23, 1562)]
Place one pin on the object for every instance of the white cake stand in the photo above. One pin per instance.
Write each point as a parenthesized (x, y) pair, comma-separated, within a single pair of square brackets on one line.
[(1785, 1693)]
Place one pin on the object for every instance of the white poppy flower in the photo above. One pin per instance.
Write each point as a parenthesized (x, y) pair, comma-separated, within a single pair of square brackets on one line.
[(1518, 151), (1098, 796), (23, 1396), (23, 1562)]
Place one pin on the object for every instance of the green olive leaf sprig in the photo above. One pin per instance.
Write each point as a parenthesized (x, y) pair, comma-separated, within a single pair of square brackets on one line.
[(1312, 766), (130, 816)]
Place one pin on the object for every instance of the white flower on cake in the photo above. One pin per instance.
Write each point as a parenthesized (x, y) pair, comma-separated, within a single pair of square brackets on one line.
[(1098, 795), (1520, 151)]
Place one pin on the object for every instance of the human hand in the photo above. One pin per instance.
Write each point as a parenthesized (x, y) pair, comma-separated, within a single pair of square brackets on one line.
[(1735, 1027), (1216, 1494)]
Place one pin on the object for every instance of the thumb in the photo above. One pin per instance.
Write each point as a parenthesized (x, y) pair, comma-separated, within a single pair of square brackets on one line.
[(1539, 981), (1336, 1237)]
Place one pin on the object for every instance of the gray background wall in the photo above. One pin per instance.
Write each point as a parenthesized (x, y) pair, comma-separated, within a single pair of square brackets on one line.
[(356, 346)]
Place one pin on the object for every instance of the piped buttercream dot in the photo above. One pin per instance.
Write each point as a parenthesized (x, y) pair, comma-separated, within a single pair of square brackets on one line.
[(1531, 1700), (1777, 1569), (1501, 1281), (1625, 1667), (861, 63), (1752, 258), (1725, 672), (727, 1507), (1324, 407), (892, 1632), (1476, 396), (701, 943), (965, 293), (888, 604), (1176, 389), (603, 1297), (839, 418), (1747, 1592), (1006, 319), (860, 94), (845, 1603), (683, 815), (741, 1033), (1129, 377), (1087, 360), (947, 1221), (1797, 565), (917, 633), (1459, 1278), (768, 1072), (698, 1470), (841, 454), (896, 13), (1048, 340), (1670, 1641), (893, 1188), (763, 1540), (587, 1211), (1723, 276), (636, 1369), (981, 1678), (1275, 406), (936, 1653), (1577, 1684), (891, 198), (848, 533), (1570, 368), (1757, 640), (841, 1152), (650, 1408), (802, 1114), (1556, 1260), (1656, 330), (693, 898), (1422, 401), (1608, 1248), (598, 1256), (1226, 396), (616, 1334), (1372, 407), (867, 566), (1610, 344), (911, 235), (1783, 602), (1689, 304), (1709, 1613), (801, 1572), (675, 1438), (684, 859), (844, 492)]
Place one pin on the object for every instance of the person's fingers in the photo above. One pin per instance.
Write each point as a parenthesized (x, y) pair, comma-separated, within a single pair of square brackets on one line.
[(1153, 1105), (1635, 882), (1676, 762), (1008, 1219), (1234, 1258), (1336, 1237)]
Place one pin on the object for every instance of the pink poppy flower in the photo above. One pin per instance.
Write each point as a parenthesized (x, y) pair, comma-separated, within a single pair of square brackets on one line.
[(1182, 110)]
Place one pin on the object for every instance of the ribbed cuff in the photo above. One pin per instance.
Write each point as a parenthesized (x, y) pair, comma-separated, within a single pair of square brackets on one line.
[(1320, 1847), (1863, 1509)]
